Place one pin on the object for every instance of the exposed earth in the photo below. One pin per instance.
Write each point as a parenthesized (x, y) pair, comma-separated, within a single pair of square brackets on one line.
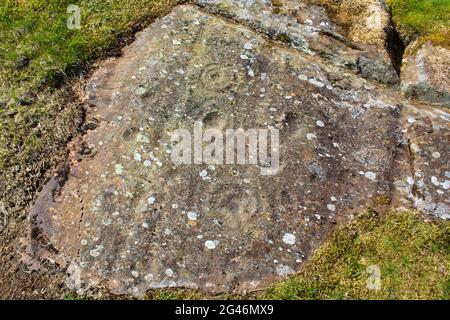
[(119, 215)]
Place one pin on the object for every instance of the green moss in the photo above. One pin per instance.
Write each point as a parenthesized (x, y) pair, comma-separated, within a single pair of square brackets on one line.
[(175, 294), (413, 257), (382, 200), (283, 38), (446, 290), (427, 19), (73, 296)]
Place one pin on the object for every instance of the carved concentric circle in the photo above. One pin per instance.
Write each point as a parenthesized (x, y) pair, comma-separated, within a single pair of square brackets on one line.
[(218, 76)]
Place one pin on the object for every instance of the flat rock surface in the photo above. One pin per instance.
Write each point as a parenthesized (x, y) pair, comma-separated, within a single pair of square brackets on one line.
[(426, 73), (120, 214)]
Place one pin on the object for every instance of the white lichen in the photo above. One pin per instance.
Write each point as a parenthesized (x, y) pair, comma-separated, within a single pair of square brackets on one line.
[(118, 169), (211, 244), (289, 238), (370, 175), (192, 215)]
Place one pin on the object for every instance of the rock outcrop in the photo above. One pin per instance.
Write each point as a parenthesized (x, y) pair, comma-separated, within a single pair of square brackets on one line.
[(124, 216), (426, 73), (309, 30)]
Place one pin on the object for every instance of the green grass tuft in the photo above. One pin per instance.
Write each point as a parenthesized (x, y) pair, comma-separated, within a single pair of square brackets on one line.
[(427, 19), (413, 257)]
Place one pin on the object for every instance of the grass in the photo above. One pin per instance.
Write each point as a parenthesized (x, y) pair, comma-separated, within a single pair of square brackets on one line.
[(424, 19), (416, 19), (39, 55), (413, 257)]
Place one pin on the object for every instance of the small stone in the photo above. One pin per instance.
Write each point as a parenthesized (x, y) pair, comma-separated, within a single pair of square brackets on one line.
[(151, 200), (436, 155)]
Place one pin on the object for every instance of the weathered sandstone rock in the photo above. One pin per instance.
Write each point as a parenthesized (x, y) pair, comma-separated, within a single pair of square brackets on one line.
[(426, 73), (309, 30), (122, 215)]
